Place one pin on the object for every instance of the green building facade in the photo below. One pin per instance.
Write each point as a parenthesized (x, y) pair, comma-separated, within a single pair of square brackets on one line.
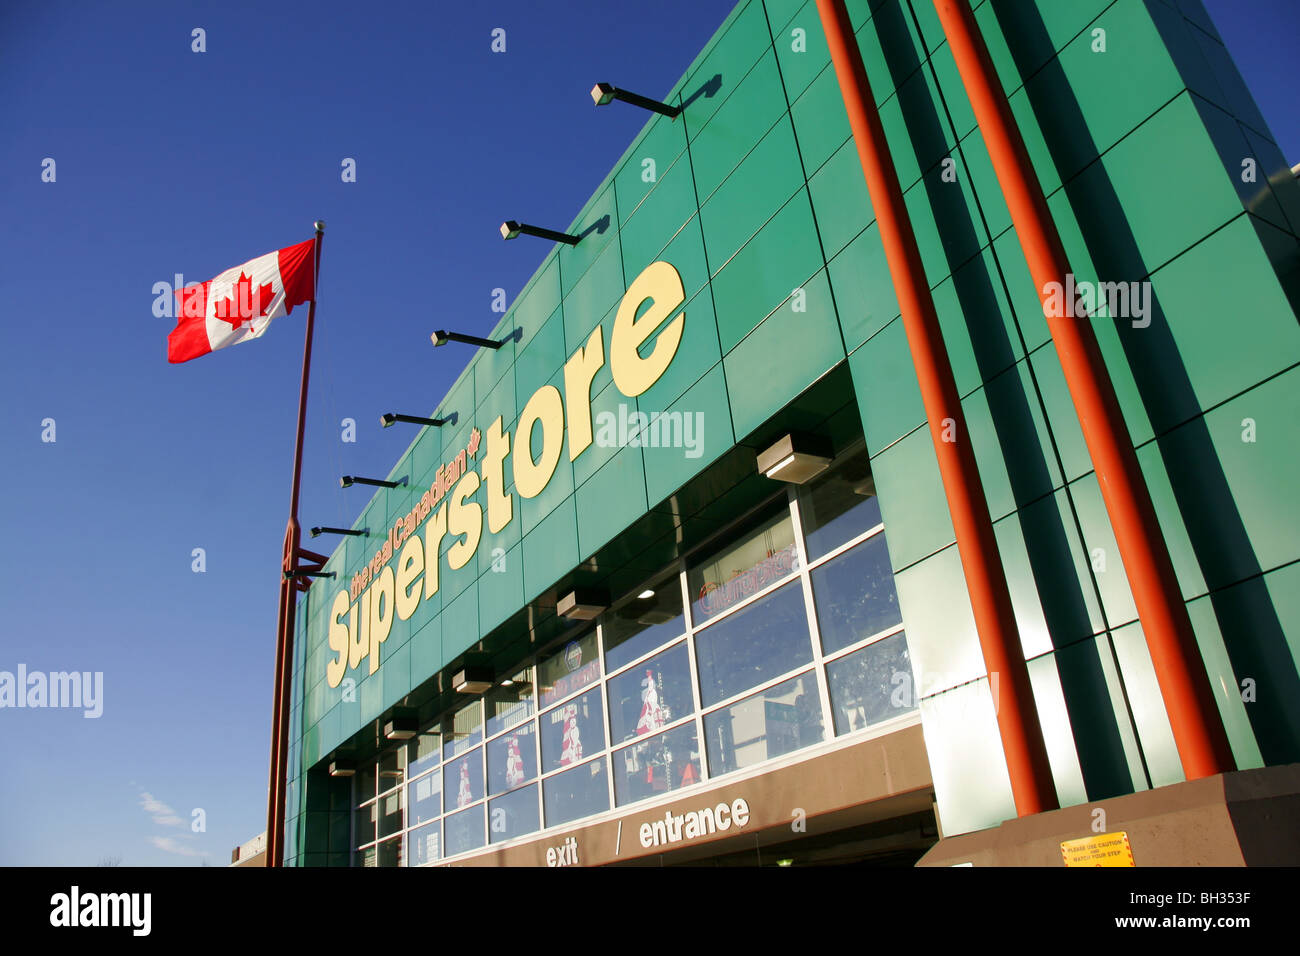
[(1159, 172)]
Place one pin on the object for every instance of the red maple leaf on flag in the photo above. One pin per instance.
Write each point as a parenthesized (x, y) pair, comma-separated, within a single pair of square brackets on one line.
[(244, 303), (472, 447)]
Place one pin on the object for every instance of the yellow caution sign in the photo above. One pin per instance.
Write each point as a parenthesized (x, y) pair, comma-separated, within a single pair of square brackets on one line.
[(1105, 849)]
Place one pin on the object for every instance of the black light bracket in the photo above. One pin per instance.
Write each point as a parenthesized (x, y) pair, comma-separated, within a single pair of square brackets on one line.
[(359, 533), (603, 93), (511, 228), (392, 418), (348, 481)]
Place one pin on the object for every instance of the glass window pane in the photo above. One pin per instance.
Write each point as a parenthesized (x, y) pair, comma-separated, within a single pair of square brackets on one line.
[(508, 705), (514, 814), (464, 830), (871, 685), (777, 721), (424, 798), (572, 731), (367, 857), (727, 576), (512, 759), (576, 793), (365, 781), (570, 668), (462, 730), (767, 638), (424, 845), (651, 695), (854, 595), (363, 823), (639, 624), (390, 813), (463, 782), (392, 767), (390, 853), (838, 506), (423, 752), (657, 765)]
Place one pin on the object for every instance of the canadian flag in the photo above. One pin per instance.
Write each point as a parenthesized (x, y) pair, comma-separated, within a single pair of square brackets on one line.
[(239, 304)]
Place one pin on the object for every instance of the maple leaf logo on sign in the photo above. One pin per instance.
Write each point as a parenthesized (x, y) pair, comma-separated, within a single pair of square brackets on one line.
[(244, 303), (474, 439)]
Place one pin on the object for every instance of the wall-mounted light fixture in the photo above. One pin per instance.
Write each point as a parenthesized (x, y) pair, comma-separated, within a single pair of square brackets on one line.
[(604, 93), (301, 573), (582, 604), (343, 767), (473, 679), (795, 458), (403, 725), (392, 418), (317, 532), (347, 481), (510, 229), (442, 338)]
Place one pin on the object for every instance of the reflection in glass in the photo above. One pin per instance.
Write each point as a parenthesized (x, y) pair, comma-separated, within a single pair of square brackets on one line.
[(392, 767), (424, 845), (765, 639), (657, 765), (462, 730), (854, 595), (776, 721), (513, 815), (363, 823), (572, 731), (568, 669), (871, 685), (423, 752), (510, 703), (424, 798), (727, 576), (365, 781), (576, 793), (464, 830), (390, 813), (390, 852), (512, 759), (637, 625), (462, 781), (648, 697), (838, 506)]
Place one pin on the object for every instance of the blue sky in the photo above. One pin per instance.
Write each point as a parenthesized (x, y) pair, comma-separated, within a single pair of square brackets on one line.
[(172, 161)]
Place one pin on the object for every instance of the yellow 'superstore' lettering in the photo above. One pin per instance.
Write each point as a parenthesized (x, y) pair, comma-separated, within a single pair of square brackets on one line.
[(357, 627)]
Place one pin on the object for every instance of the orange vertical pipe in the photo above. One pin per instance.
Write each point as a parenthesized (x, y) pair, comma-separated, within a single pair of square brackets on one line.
[(1194, 717), (995, 621)]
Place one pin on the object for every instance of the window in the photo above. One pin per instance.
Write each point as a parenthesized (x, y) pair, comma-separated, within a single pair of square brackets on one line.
[(424, 845), (573, 731), (462, 730), (510, 703), (568, 669), (650, 695), (390, 813), (513, 815), (576, 793), (423, 753), (771, 723), (424, 799), (639, 624), (765, 639), (871, 685), (464, 830), (736, 571), (838, 506), (657, 765), (512, 759), (464, 782), (854, 594)]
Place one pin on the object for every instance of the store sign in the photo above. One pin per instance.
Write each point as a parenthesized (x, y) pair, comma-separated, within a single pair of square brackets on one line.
[(679, 827), (392, 584), (566, 854)]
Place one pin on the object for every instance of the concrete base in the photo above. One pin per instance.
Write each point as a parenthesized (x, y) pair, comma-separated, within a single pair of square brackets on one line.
[(1244, 818)]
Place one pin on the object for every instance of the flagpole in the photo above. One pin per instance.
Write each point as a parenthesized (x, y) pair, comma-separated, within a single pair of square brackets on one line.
[(288, 607)]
